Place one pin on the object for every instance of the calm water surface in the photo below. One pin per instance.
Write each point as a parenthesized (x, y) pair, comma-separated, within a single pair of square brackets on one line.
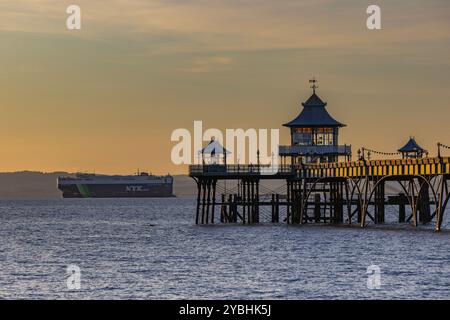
[(147, 249)]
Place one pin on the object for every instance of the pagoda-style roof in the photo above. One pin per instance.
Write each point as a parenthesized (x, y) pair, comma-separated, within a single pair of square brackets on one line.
[(214, 148), (411, 146), (314, 114)]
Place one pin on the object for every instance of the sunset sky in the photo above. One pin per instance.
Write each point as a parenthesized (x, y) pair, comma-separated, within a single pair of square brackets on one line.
[(107, 98)]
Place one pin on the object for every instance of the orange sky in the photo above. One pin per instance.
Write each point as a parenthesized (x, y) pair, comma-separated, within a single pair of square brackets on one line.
[(107, 98)]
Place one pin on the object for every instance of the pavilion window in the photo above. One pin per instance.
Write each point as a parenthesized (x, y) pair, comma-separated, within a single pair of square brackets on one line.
[(324, 137), (302, 136)]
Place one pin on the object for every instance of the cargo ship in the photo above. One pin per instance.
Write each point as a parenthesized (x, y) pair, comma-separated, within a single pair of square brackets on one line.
[(142, 185)]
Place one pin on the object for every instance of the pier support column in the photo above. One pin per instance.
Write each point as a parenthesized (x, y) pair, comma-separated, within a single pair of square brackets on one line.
[(413, 201), (223, 209), (443, 192), (340, 202), (250, 202), (348, 202), (203, 204), (299, 216), (272, 208), (214, 184), (208, 200), (243, 200), (294, 198), (295, 207), (380, 203), (424, 204), (199, 191), (288, 200), (234, 208), (256, 202), (317, 210), (275, 208)]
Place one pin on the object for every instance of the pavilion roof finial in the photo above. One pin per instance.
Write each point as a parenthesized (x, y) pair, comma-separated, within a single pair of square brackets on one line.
[(314, 85)]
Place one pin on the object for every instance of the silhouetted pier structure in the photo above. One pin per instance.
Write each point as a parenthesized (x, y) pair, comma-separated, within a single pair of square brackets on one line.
[(319, 188), (350, 192)]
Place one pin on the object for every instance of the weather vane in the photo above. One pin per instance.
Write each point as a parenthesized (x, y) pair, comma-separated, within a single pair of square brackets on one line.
[(314, 85)]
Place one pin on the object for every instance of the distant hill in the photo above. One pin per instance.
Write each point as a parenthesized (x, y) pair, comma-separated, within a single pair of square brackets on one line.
[(28, 184)]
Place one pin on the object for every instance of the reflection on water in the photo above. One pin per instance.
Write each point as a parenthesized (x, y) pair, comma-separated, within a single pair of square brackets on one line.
[(149, 248)]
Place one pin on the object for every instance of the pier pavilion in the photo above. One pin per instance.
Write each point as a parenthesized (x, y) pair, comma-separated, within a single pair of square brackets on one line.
[(323, 184), (412, 150), (314, 135), (214, 153)]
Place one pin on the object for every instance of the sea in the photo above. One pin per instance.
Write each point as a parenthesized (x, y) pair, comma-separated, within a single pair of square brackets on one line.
[(151, 249)]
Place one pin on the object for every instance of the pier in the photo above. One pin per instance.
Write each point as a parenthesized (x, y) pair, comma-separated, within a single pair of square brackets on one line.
[(323, 185), (342, 192)]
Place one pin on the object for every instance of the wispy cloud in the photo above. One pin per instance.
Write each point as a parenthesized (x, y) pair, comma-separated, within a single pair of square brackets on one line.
[(208, 64), (198, 25)]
